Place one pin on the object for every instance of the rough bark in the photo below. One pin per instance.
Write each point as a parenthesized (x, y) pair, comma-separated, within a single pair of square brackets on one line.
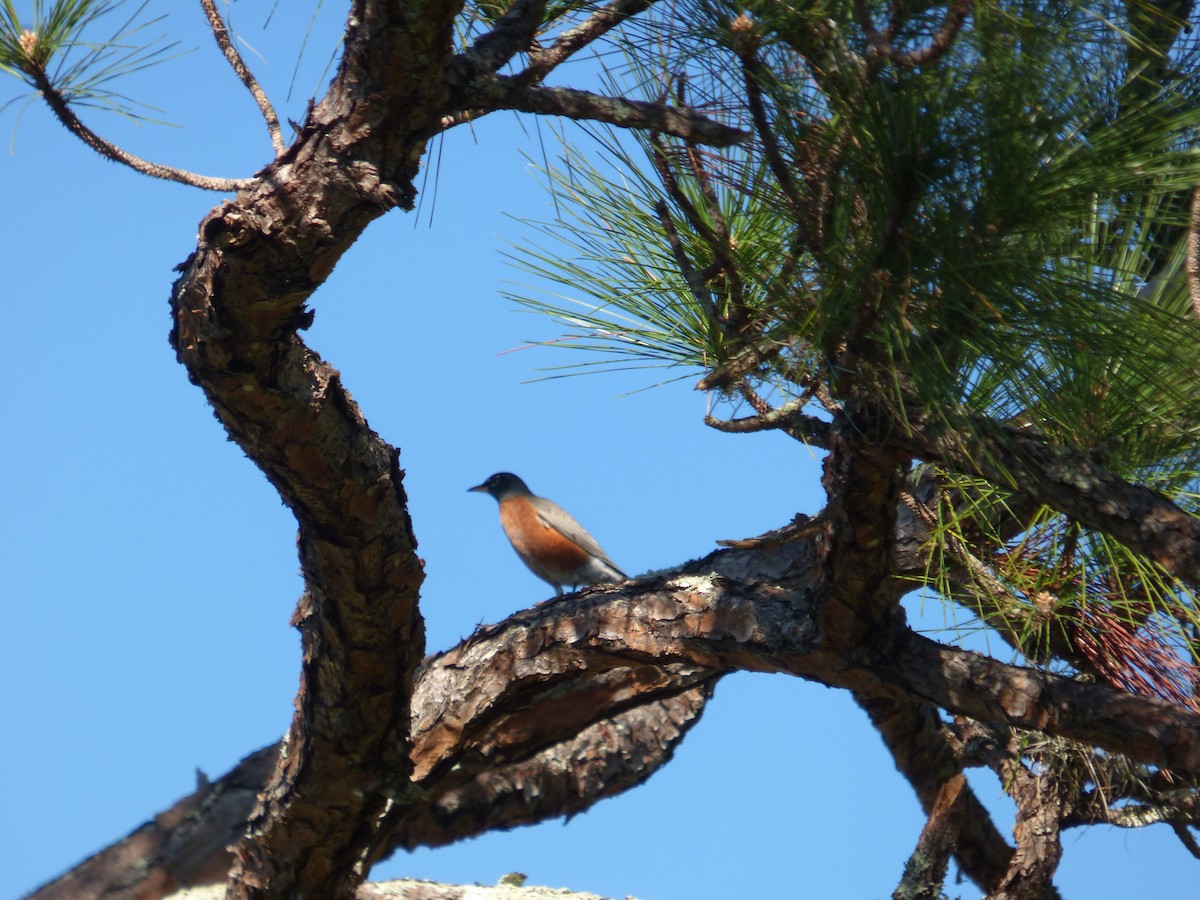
[(925, 871), (913, 735), (238, 308), (1043, 800), (511, 887), (573, 700), (571, 665)]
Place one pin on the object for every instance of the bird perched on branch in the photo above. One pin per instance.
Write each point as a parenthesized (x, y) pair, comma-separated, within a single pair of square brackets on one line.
[(551, 543)]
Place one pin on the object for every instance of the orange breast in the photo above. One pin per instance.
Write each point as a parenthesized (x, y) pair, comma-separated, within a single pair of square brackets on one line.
[(542, 548)]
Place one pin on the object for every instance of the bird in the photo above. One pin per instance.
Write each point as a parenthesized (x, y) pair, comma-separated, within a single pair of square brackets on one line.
[(549, 541)]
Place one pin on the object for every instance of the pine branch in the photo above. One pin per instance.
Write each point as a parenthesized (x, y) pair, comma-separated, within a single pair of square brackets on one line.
[(508, 93), (1069, 481), (62, 110), (512, 33), (790, 418), (189, 843), (914, 736), (1043, 800), (1193, 250), (881, 43), (221, 33), (570, 42), (925, 871)]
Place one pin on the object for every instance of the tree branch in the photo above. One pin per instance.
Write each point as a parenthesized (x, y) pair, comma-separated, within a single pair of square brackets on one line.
[(512, 33), (913, 734), (925, 871), (789, 417), (1070, 482), (62, 110), (752, 75), (757, 611), (694, 279), (508, 93), (604, 759), (221, 33), (513, 697), (189, 844), (881, 44), (571, 41), (1042, 801), (238, 308), (1193, 250)]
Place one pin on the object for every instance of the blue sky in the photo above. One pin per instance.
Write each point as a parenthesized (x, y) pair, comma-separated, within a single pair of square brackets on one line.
[(150, 570)]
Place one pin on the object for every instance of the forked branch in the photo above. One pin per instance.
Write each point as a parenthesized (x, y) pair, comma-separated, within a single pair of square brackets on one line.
[(513, 33), (544, 60), (881, 42), (790, 418)]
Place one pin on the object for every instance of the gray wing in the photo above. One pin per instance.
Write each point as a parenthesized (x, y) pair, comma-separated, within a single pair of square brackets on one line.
[(554, 516)]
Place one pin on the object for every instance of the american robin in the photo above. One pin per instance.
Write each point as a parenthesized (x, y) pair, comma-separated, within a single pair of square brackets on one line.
[(551, 543)]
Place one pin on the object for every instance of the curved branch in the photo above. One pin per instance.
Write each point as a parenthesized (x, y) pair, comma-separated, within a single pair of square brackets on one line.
[(189, 844), (925, 871), (238, 308), (1042, 801), (757, 611), (512, 33), (752, 76), (62, 110), (692, 278), (571, 41), (789, 416), (221, 33), (566, 778), (881, 44), (574, 690)]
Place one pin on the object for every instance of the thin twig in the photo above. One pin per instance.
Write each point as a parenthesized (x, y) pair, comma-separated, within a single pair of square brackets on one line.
[(571, 41), (62, 110), (757, 403), (694, 279), (752, 75), (712, 230), (760, 351), (1186, 838), (699, 172), (221, 33), (722, 245), (882, 45), (662, 164), (789, 418)]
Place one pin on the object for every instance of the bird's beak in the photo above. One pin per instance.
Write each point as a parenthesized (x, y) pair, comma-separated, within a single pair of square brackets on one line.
[(478, 487)]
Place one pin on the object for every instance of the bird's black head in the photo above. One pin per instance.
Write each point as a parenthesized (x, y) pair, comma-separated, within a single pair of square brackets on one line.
[(501, 485)]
